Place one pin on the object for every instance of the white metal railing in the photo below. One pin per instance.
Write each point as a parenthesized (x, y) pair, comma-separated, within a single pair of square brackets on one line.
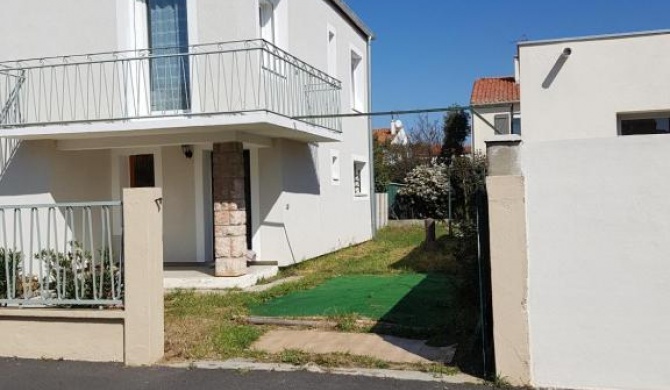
[(61, 255), (209, 79)]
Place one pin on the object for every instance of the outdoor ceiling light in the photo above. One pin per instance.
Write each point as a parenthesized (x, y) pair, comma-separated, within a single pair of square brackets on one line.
[(187, 150)]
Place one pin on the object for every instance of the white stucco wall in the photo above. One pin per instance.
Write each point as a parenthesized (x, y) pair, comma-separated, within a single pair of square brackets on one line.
[(307, 215), (39, 28), (597, 213), (179, 223), (599, 80)]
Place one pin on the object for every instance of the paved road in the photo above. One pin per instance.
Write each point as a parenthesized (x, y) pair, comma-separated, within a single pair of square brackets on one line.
[(46, 375)]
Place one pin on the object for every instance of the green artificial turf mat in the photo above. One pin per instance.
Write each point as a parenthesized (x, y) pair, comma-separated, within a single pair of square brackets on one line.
[(416, 300)]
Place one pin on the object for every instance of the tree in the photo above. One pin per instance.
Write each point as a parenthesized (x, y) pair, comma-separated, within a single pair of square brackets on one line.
[(426, 194), (456, 130), (425, 139), (382, 168)]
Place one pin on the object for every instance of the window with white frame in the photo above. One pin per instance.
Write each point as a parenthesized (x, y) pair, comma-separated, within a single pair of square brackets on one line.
[(516, 123), (356, 81), (360, 183), (269, 28), (335, 167), (168, 40), (332, 52), (268, 23)]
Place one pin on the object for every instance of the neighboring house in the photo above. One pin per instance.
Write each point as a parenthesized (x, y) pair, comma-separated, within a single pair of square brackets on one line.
[(496, 109), (212, 101), (579, 210), (394, 135)]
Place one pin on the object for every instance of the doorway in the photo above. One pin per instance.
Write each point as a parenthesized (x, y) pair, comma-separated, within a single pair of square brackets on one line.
[(141, 170)]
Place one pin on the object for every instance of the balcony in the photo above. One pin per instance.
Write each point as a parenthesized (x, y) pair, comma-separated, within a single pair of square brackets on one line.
[(251, 86)]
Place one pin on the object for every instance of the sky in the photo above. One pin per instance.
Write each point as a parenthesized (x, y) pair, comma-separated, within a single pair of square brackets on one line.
[(427, 53)]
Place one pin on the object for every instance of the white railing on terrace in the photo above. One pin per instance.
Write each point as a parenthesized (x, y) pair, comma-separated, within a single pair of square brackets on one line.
[(67, 254), (220, 78)]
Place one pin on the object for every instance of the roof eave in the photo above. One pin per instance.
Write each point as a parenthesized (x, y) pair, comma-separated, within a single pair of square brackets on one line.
[(351, 15), (494, 104)]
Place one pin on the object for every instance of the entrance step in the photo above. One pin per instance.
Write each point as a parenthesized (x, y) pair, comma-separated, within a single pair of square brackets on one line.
[(202, 278)]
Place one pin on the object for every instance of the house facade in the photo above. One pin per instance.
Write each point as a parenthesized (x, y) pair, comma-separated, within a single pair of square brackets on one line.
[(495, 105), (578, 216), (226, 105)]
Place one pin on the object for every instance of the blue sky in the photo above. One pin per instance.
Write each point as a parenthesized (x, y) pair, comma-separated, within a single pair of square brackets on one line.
[(428, 52)]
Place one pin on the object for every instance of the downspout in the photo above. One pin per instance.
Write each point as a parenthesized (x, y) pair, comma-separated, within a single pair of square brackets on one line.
[(371, 156)]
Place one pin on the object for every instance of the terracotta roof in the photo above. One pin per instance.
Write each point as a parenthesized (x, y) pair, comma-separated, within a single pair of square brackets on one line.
[(382, 135), (495, 90)]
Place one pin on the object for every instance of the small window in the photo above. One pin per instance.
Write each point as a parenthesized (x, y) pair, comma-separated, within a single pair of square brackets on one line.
[(266, 15), (356, 81), (516, 124), (650, 125), (501, 123), (335, 166), (332, 52), (142, 171), (360, 184)]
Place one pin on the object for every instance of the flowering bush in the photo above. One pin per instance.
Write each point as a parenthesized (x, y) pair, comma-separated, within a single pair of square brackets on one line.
[(426, 192)]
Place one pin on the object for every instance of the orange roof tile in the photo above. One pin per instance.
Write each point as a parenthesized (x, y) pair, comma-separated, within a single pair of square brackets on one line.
[(494, 90), (382, 135)]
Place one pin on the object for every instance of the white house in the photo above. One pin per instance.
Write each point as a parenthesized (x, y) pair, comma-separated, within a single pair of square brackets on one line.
[(226, 105), (496, 109), (579, 216)]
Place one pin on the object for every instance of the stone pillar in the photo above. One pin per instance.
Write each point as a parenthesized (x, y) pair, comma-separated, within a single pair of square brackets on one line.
[(230, 217)]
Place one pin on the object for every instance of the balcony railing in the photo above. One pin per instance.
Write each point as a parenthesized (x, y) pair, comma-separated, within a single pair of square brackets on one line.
[(221, 78)]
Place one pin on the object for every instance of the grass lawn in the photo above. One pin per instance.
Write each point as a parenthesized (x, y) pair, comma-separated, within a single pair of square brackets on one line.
[(391, 278)]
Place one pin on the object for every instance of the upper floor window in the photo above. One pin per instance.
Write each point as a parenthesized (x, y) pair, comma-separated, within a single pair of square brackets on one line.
[(268, 22), (645, 124), (516, 124), (356, 81), (332, 52), (501, 123), (168, 38)]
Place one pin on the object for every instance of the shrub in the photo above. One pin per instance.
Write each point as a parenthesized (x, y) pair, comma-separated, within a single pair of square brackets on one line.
[(72, 276), (426, 192), (10, 270)]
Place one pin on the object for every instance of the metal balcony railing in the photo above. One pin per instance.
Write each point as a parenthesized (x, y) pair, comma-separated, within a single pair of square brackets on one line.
[(61, 255), (220, 78)]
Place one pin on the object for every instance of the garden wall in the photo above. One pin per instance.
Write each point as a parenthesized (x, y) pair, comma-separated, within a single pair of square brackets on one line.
[(132, 334)]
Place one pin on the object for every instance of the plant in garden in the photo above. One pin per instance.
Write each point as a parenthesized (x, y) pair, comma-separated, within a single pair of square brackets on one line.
[(426, 191), (467, 178), (10, 269), (74, 275), (381, 166), (456, 130)]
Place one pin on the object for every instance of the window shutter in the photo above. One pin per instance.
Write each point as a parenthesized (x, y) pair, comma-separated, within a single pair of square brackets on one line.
[(501, 123)]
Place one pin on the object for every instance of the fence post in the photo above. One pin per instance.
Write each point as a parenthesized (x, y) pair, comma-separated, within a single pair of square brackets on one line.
[(143, 259)]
